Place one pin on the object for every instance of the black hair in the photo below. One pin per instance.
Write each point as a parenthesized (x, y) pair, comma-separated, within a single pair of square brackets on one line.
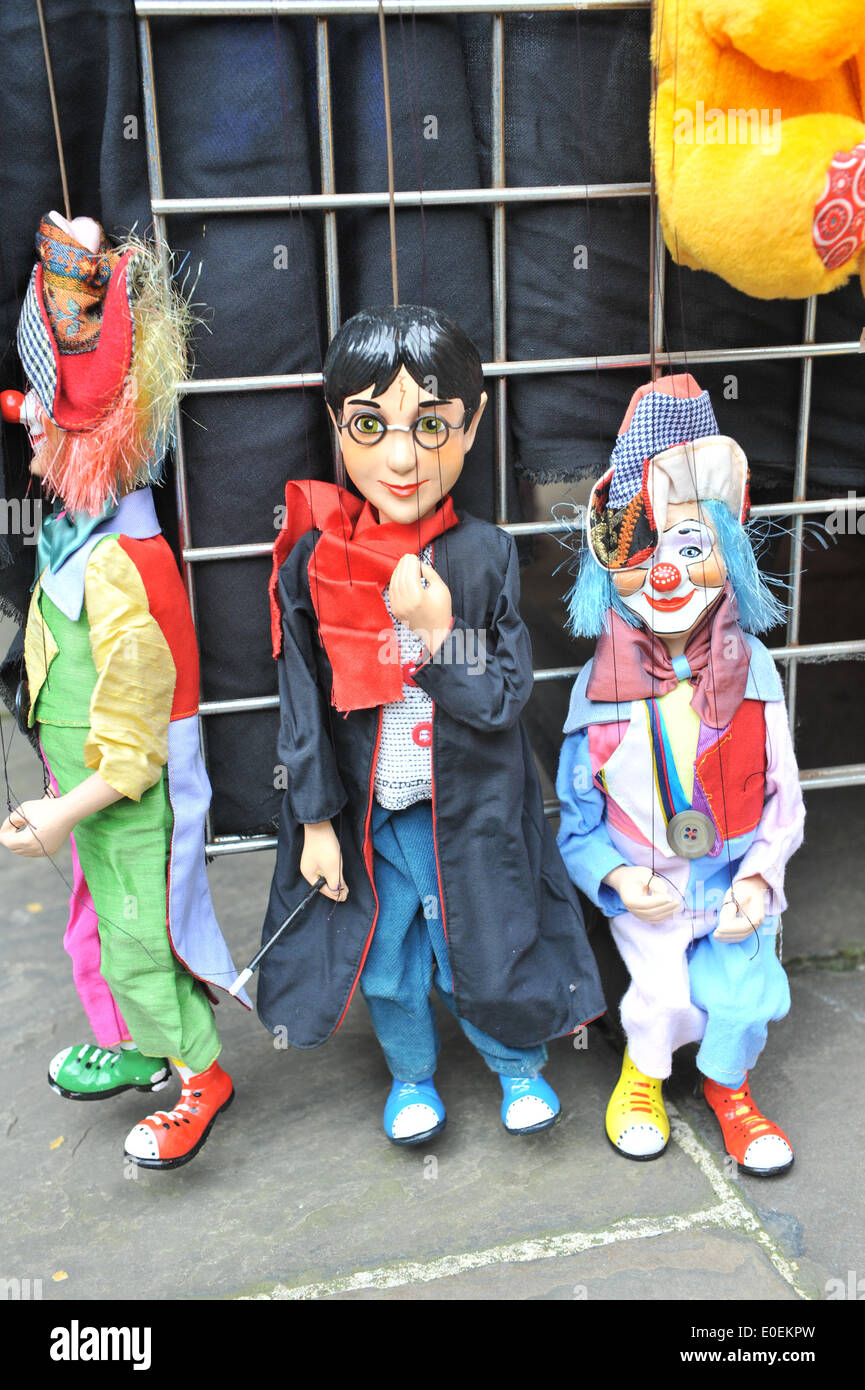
[(374, 344)]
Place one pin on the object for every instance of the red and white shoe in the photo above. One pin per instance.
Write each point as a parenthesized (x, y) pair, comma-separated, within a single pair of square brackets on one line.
[(170, 1138), (760, 1146)]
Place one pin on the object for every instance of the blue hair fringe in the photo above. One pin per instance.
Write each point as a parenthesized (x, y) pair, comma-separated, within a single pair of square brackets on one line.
[(593, 593)]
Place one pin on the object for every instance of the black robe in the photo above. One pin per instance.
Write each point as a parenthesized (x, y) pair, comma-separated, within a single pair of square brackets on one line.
[(522, 967)]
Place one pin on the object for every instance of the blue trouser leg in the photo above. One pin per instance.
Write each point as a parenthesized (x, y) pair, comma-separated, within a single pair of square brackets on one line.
[(741, 986), (409, 954), (396, 975)]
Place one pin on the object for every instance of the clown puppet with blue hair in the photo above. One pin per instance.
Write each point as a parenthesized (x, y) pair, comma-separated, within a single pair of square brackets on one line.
[(677, 779)]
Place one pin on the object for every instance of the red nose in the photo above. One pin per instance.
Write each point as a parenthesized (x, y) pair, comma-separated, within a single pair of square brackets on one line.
[(665, 577), (10, 405)]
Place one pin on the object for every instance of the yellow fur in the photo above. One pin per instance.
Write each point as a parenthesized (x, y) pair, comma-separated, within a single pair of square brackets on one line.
[(737, 194)]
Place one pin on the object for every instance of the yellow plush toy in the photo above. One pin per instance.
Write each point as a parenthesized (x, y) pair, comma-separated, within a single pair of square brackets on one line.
[(758, 140)]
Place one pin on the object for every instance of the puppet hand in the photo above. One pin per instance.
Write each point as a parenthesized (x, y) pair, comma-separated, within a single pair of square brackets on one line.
[(36, 828), (633, 885), (427, 610), (742, 910), (322, 858)]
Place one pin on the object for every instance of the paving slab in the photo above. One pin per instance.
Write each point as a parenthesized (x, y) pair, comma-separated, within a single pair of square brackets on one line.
[(810, 1080), (694, 1265)]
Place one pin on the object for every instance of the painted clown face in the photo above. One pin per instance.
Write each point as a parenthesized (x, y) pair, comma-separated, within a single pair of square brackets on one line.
[(684, 578)]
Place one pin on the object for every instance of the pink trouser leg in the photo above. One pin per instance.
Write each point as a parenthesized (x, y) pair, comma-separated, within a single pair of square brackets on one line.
[(81, 941), (657, 1012)]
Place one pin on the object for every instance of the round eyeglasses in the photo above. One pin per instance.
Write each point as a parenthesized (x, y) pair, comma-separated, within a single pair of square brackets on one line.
[(429, 431)]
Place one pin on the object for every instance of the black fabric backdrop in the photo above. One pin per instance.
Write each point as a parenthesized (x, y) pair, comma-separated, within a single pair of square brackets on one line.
[(237, 115)]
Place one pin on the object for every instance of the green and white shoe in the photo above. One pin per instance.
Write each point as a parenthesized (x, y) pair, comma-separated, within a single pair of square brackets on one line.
[(91, 1073)]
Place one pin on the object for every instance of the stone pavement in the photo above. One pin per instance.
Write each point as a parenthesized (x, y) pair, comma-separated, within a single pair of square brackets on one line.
[(297, 1193)]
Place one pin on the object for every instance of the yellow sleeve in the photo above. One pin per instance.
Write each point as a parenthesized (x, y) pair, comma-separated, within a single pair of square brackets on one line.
[(130, 708)]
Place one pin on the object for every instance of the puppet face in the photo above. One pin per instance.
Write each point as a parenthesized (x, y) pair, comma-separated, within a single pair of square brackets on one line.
[(685, 577), (403, 479), (45, 438), (35, 421)]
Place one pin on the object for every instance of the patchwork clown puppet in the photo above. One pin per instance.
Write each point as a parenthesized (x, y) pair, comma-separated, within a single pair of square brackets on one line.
[(112, 668), (679, 788), (404, 667)]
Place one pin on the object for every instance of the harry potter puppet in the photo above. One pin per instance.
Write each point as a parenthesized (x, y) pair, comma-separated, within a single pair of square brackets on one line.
[(112, 667), (679, 788), (404, 667)]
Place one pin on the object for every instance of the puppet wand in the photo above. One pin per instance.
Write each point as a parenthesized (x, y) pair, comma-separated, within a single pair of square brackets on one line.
[(250, 970)]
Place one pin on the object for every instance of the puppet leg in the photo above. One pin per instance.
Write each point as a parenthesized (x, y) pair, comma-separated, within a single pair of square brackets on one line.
[(406, 841), (528, 1104), (657, 1011), (124, 858), (114, 1064), (81, 942), (409, 953), (397, 974), (742, 986)]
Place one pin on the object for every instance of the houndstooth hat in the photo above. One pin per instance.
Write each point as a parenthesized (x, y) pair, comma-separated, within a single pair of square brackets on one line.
[(669, 450)]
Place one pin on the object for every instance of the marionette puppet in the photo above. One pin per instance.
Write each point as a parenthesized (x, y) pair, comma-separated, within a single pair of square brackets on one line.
[(112, 668), (678, 784), (404, 666)]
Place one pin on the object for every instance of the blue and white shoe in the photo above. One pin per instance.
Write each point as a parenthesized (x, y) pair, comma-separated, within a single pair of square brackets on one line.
[(413, 1112), (529, 1104)]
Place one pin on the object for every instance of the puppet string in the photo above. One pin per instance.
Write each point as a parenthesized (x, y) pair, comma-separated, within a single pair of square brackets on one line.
[(584, 127), (54, 114), (14, 807), (290, 162), (391, 211)]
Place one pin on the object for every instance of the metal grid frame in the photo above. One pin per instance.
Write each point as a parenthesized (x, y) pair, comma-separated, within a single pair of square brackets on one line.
[(498, 197)]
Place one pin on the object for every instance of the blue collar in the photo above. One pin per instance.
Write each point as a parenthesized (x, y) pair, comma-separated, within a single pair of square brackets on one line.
[(63, 580)]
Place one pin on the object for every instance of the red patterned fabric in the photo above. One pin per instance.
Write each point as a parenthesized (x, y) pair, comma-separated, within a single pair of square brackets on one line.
[(732, 772), (349, 569), (839, 217), (75, 281), (89, 383)]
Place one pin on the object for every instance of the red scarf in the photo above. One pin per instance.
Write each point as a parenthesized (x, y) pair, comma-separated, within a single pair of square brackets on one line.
[(349, 569), (634, 664)]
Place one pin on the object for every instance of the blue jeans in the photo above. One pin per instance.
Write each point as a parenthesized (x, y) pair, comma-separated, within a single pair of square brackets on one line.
[(409, 954)]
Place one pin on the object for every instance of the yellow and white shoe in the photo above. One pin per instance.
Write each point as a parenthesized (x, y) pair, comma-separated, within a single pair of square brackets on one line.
[(636, 1121)]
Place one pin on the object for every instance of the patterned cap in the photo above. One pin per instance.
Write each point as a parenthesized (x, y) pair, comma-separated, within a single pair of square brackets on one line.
[(76, 332), (74, 282), (659, 419), (669, 450)]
